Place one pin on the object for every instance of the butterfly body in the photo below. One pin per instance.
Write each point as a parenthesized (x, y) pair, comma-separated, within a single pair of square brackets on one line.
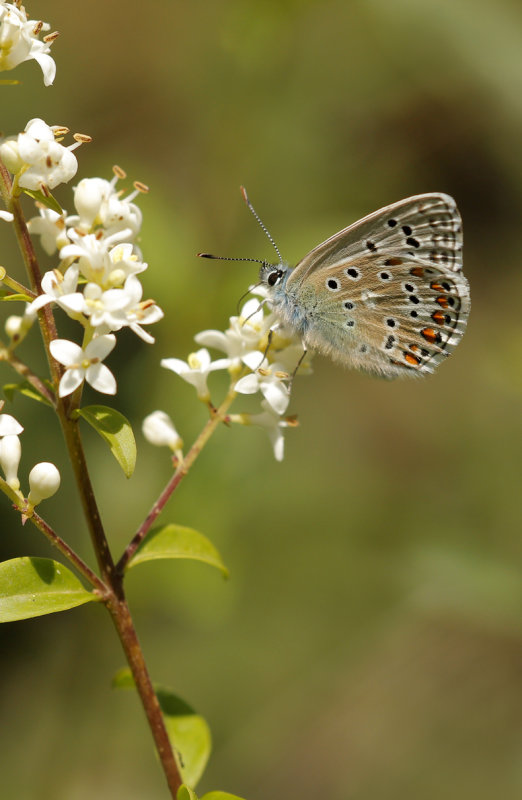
[(385, 295)]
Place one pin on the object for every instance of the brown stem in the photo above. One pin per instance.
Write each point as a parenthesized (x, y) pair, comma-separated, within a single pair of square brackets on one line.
[(115, 600), (218, 415), (69, 553), (127, 633), (25, 372)]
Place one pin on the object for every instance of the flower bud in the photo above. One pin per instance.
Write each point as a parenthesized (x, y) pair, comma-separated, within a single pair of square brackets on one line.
[(10, 155), (44, 481), (13, 326), (159, 430), (9, 425), (10, 454)]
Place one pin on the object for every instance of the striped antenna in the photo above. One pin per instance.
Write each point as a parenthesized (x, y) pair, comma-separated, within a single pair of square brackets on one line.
[(262, 225)]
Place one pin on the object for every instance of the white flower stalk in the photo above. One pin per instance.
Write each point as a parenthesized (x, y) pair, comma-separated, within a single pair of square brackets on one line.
[(196, 370), (84, 364), (39, 160), (10, 454), (274, 424), (50, 227), (44, 481), (61, 289), (246, 334), (269, 379), (9, 425), (100, 262), (19, 41), (99, 205), (158, 429)]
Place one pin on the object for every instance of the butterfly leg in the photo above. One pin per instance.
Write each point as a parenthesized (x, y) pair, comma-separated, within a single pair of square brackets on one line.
[(294, 373)]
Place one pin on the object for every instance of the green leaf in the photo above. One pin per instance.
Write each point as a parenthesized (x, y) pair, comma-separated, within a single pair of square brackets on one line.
[(114, 429), (27, 389), (175, 541), (220, 796), (7, 298), (30, 587), (186, 793), (188, 732), (46, 200)]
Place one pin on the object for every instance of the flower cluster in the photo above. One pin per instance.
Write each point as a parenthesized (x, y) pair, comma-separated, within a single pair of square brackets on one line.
[(19, 40), (96, 282), (38, 159), (44, 478), (260, 356)]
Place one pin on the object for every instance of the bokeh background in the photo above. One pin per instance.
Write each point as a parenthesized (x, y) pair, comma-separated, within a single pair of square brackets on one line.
[(368, 642)]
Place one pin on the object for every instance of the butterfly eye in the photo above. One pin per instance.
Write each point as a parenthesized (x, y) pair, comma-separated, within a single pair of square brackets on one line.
[(273, 277)]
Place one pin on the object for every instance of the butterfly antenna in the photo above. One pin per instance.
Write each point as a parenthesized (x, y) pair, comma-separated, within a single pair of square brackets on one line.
[(262, 225), (230, 258)]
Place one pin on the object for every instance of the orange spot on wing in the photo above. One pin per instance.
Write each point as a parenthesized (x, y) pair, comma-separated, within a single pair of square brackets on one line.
[(412, 360), (431, 335), (417, 271), (442, 301), (438, 317), (437, 287)]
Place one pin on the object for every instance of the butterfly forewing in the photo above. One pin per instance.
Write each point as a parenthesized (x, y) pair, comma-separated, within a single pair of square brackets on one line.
[(387, 294), (426, 226)]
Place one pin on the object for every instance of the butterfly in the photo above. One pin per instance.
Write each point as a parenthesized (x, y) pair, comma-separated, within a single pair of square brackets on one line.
[(385, 295)]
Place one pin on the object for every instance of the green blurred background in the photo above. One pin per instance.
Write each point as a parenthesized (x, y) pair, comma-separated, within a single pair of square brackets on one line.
[(368, 642)]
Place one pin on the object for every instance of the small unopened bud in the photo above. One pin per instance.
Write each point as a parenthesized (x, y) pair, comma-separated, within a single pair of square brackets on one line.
[(44, 481), (10, 155), (10, 454), (9, 425), (13, 326), (159, 430)]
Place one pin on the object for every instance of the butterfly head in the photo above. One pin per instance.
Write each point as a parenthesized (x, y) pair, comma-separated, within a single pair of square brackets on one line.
[(272, 275)]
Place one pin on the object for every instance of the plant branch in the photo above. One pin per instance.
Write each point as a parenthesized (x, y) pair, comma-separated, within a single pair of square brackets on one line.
[(7, 355), (69, 553), (218, 415), (127, 633)]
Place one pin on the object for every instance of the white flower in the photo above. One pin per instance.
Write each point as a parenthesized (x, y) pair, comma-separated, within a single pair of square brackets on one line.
[(98, 203), (44, 481), (19, 41), (10, 454), (271, 421), (9, 425), (119, 308), (267, 378), (159, 430), (196, 370), (103, 307), (246, 334), (138, 312), (50, 227), (101, 263), (7, 216), (45, 162), (85, 364), (60, 289)]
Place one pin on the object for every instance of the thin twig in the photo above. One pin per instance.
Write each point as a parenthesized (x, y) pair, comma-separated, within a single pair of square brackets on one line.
[(219, 415)]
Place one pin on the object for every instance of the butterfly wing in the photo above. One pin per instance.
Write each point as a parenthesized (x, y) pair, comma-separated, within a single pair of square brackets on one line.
[(387, 294), (426, 226)]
